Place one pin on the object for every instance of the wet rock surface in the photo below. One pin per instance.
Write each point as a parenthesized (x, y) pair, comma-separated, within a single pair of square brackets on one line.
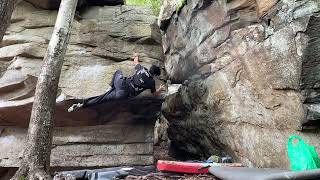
[(249, 71)]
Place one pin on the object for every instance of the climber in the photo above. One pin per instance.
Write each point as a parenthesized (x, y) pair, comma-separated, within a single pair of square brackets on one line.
[(124, 88)]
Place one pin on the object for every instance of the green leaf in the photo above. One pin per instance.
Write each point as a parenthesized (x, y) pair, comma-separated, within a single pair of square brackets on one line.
[(181, 4), (154, 4)]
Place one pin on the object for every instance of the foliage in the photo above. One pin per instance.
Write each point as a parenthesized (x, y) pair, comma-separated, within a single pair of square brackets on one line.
[(136, 2), (181, 5), (155, 4)]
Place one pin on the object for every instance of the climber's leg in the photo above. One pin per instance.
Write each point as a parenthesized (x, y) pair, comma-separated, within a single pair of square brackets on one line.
[(93, 101), (120, 88), (118, 91), (112, 80)]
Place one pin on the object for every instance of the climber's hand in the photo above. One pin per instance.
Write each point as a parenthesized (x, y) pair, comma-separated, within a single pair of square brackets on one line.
[(161, 88), (135, 55), (135, 58)]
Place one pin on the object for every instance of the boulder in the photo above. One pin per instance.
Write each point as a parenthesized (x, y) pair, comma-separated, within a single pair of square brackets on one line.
[(101, 136), (167, 10), (85, 147), (101, 42), (21, 39), (140, 110), (103, 39), (32, 50), (250, 74)]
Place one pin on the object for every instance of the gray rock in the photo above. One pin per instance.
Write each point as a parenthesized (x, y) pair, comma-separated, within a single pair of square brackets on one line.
[(86, 146), (31, 50), (166, 12), (103, 39), (215, 158), (244, 78), (21, 39)]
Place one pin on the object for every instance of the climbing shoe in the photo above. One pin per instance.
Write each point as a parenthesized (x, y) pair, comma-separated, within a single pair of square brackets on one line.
[(74, 107)]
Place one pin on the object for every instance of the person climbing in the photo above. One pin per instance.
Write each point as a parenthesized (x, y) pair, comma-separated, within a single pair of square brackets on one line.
[(124, 88)]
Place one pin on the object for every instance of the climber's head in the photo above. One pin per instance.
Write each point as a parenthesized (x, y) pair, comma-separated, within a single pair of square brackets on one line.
[(155, 70)]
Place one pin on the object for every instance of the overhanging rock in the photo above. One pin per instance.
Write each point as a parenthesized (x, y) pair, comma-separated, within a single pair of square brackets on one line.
[(142, 110), (111, 134)]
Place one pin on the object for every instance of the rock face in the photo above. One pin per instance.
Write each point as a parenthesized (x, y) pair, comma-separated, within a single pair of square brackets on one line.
[(103, 40), (17, 113), (83, 147), (253, 74)]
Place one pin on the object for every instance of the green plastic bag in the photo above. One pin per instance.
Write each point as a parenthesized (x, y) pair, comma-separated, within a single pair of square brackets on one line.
[(301, 155)]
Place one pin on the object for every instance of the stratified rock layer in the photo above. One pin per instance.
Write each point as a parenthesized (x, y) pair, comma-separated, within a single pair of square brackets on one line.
[(103, 40), (253, 73)]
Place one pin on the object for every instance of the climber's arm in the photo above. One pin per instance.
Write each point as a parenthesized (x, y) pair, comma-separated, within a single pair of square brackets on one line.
[(136, 58), (158, 91)]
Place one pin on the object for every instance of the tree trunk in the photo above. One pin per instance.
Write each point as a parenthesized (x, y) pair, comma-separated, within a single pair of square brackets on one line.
[(6, 9), (36, 160)]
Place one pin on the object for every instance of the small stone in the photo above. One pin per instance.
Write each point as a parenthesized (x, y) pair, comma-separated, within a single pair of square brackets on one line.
[(214, 158)]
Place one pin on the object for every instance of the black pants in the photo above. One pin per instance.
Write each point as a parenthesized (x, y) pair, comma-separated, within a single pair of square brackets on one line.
[(119, 90)]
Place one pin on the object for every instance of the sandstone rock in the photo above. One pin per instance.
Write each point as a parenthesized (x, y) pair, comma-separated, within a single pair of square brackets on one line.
[(29, 17), (20, 89), (248, 84), (44, 32), (31, 50), (102, 40), (17, 113), (21, 39), (167, 11), (160, 133), (132, 147), (19, 69), (173, 88), (263, 6), (75, 79), (103, 136)]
